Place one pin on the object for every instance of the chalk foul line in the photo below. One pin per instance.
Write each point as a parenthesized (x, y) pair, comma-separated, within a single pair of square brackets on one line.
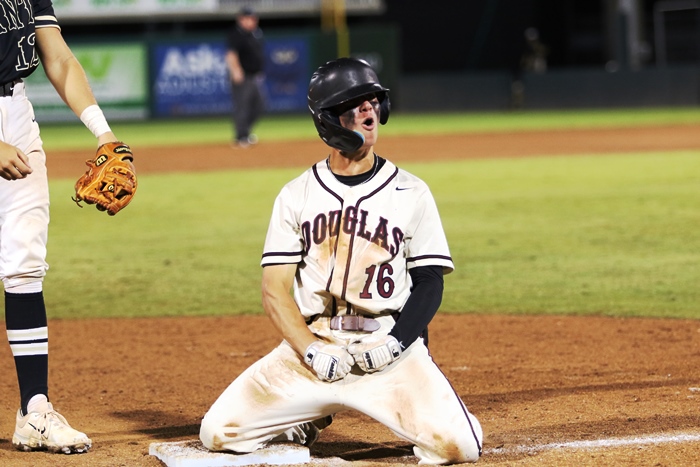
[(598, 443)]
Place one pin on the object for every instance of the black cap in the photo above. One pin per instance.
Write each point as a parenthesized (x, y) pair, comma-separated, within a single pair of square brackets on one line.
[(246, 11)]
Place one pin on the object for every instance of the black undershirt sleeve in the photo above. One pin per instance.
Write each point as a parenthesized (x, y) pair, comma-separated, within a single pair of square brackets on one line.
[(421, 306)]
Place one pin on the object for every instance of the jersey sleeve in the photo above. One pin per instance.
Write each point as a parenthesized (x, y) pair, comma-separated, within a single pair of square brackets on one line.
[(44, 16), (284, 242), (427, 245)]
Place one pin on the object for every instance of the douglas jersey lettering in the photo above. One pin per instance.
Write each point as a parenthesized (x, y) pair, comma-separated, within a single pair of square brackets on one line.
[(328, 226)]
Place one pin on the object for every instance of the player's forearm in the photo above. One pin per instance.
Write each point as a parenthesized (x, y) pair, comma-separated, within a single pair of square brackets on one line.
[(287, 319), (72, 85), (281, 308), (63, 70)]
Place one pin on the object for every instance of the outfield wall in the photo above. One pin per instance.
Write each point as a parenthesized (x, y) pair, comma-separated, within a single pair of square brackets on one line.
[(173, 76), (556, 89), (186, 76)]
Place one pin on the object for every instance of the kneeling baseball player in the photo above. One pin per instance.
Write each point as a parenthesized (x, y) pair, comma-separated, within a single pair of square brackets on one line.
[(361, 244)]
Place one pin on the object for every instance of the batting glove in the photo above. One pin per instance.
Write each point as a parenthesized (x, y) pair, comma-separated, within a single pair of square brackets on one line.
[(330, 362), (374, 354)]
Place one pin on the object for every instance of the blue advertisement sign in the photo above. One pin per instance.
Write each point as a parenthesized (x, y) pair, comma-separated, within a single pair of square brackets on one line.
[(287, 74), (191, 78)]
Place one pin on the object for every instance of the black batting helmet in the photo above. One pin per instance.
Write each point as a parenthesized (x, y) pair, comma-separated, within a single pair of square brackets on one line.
[(340, 82)]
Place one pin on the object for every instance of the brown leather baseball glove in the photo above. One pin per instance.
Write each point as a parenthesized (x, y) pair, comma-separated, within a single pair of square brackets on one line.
[(110, 181)]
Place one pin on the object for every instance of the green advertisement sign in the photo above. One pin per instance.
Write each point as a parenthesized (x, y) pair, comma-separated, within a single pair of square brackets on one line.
[(118, 77)]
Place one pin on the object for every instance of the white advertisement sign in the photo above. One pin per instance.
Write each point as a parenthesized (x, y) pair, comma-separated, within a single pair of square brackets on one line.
[(105, 10), (88, 8)]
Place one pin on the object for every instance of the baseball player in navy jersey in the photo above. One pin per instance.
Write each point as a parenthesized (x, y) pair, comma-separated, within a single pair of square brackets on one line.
[(29, 32), (361, 245)]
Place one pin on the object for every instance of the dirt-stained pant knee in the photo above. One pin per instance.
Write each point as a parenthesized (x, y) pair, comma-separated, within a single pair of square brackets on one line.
[(467, 448)]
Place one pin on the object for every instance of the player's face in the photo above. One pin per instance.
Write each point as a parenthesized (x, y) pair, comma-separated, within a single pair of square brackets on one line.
[(363, 117)]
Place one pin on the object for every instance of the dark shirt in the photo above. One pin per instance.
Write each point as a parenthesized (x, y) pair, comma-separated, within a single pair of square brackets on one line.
[(249, 47), (18, 56)]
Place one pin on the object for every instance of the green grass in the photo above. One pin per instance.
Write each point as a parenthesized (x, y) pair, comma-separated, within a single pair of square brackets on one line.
[(294, 127), (186, 245), (614, 235), (610, 235)]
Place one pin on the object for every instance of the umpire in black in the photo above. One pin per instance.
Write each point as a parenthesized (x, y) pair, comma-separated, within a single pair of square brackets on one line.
[(245, 59)]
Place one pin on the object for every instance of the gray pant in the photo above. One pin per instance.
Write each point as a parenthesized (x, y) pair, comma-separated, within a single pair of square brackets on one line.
[(248, 105)]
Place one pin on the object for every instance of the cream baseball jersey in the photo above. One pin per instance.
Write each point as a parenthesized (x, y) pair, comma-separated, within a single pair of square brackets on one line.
[(355, 244)]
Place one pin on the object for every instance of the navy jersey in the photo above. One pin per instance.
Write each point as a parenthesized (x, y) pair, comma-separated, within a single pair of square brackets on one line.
[(18, 22)]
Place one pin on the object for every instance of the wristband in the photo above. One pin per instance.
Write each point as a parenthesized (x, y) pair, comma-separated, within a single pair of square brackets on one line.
[(93, 118)]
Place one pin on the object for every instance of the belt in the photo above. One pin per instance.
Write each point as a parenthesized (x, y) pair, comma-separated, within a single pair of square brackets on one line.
[(7, 88), (354, 323)]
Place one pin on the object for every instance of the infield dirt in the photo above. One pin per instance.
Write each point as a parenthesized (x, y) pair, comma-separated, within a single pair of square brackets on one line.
[(531, 381)]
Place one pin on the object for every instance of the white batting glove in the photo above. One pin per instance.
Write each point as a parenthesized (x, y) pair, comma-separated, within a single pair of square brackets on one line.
[(330, 362), (374, 354)]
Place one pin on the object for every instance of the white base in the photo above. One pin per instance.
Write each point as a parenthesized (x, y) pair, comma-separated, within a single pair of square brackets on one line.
[(194, 454)]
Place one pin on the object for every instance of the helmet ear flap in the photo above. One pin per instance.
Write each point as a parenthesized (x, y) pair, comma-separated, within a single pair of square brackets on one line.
[(384, 110), (337, 136)]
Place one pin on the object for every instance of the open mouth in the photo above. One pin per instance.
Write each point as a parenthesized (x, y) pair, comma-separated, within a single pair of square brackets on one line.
[(368, 123)]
